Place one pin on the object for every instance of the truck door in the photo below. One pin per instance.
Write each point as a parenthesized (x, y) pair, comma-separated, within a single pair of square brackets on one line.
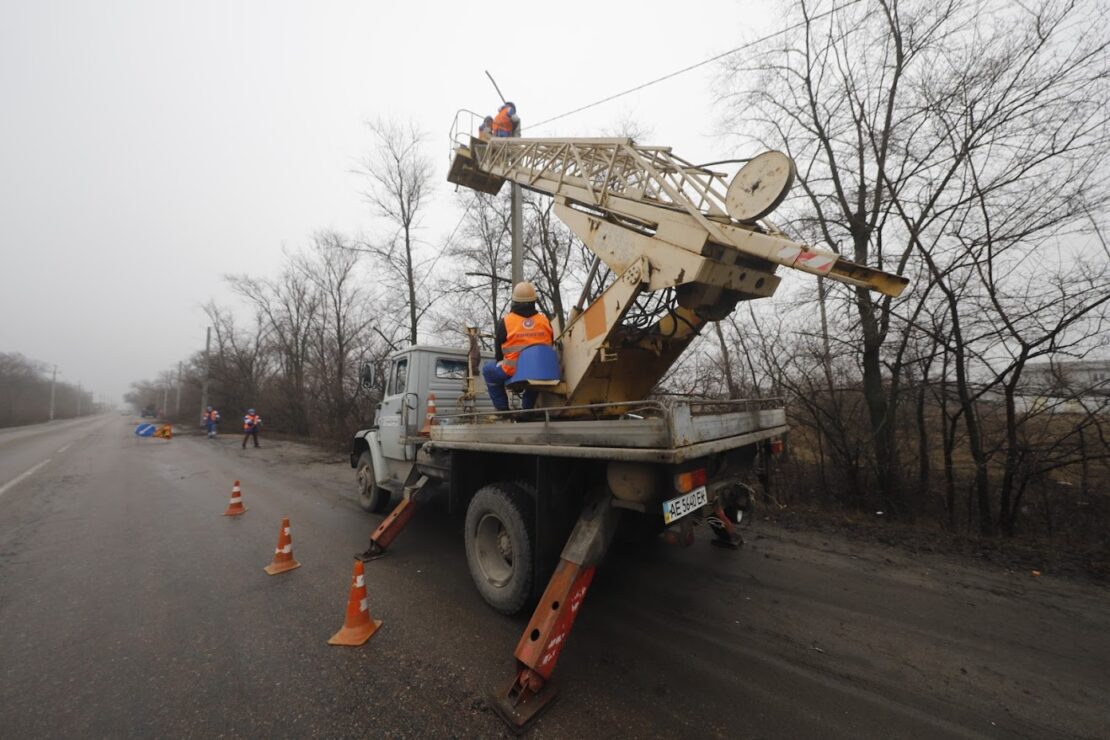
[(398, 411)]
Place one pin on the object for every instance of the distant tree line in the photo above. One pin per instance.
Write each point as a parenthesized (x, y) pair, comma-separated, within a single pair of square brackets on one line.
[(25, 393)]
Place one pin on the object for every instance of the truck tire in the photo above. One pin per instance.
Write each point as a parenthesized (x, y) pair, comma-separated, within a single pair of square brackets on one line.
[(371, 496), (501, 545)]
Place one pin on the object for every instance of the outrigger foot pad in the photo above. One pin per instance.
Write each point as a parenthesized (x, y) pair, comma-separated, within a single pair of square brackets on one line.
[(518, 705), (725, 533), (728, 544), (373, 552)]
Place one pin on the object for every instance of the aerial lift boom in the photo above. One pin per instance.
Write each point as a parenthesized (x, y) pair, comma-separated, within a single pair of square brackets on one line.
[(683, 246)]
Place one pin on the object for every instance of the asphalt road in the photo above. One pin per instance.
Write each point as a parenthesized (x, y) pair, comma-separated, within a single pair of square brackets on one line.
[(129, 607)]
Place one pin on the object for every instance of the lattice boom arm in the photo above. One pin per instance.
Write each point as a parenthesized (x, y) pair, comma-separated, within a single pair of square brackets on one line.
[(651, 187)]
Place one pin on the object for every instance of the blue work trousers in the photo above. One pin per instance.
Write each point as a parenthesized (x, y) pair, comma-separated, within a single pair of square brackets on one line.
[(495, 383)]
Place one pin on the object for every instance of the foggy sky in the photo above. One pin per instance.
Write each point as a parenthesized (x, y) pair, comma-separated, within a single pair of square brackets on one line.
[(147, 149)]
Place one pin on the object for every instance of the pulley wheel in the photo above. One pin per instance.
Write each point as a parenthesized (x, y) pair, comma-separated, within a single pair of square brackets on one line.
[(760, 186)]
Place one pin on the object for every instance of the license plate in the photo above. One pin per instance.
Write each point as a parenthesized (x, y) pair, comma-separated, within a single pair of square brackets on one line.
[(677, 508)]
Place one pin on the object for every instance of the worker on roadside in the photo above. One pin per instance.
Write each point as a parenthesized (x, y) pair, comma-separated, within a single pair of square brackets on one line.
[(210, 420), (485, 131), (522, 327), (506, 122), (251, 424)]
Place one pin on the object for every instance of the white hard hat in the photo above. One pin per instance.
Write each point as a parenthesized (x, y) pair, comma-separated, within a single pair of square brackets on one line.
[(524, 292)]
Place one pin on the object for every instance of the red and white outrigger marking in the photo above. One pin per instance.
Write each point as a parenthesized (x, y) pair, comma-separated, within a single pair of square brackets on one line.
[(808, 260), (530, 690)]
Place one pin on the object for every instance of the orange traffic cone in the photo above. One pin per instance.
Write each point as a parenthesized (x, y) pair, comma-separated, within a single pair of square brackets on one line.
[(235, 506), (358, 627), (429, 416), (283, 555)]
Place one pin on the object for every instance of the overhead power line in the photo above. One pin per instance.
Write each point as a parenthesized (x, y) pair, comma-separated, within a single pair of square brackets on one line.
[(702, 63), (446, 244)]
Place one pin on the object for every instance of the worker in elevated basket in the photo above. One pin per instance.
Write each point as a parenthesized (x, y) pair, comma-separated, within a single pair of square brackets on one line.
[(522, 327), (506, 122), (485, 131)]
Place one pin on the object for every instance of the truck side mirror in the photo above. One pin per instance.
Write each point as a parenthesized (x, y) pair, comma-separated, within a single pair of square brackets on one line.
[(368, 375)]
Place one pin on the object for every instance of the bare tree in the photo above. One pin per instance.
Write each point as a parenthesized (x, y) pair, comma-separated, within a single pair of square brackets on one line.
[(398, 176), (481, 285), (914, 125), (239, 360), (339, 327), (288, 306), (552, 255)]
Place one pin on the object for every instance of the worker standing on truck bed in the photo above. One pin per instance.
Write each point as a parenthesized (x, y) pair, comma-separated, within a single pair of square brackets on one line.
[(522, 327), (251, 424)]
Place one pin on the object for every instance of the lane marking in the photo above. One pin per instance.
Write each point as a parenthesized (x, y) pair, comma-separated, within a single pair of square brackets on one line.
[(63, 448), (4, 488)]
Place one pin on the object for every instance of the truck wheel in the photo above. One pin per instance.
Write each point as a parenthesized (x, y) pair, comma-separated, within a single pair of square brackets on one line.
[(500, 545), (371, 496)]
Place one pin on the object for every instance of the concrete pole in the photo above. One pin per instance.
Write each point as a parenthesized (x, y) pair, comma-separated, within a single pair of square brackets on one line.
[(53, 381), (518, 242), (79, 391), (518, 231), (207, 371), (165, 401), (177, 406)]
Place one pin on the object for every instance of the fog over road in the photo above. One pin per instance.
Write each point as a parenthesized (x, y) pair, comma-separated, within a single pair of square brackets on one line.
[(130, 608)]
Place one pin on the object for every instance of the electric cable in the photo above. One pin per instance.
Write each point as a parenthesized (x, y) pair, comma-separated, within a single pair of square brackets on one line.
[(694, 66)]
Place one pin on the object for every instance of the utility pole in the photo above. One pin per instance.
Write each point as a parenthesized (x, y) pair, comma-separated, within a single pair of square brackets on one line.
[(53, 381), (79, 391), (177, 406), (518, 233), (518, 244), (207, 371), (165, 399)]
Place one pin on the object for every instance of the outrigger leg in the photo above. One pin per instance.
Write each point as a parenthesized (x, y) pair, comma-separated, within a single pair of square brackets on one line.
[(725, 533), (530, 690), (392, 525)]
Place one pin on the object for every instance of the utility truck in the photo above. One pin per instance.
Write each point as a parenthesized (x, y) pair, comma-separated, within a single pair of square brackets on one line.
[(545, 490)]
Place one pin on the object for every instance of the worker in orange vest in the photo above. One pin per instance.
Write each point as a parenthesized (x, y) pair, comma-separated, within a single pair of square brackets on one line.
[(522, 327), (506, 122), (211, 420), (485, 131), (251, 424)]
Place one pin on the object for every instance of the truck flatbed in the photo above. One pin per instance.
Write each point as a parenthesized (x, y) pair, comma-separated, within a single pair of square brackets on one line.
[(649, 431)]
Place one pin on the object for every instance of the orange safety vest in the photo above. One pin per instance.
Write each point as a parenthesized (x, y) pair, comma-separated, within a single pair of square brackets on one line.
[(250, 421), (521, 332), (503, 122)]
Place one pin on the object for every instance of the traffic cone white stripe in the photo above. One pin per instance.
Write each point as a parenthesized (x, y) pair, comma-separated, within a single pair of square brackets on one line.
[(236, 500), (287, 531), (359, 582), (363, 606)]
